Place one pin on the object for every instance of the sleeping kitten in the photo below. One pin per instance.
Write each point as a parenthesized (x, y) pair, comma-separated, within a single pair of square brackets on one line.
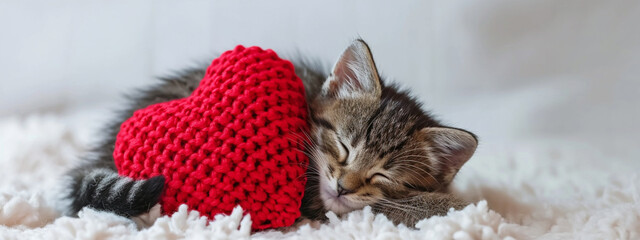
[(370, 144), (374, 145)]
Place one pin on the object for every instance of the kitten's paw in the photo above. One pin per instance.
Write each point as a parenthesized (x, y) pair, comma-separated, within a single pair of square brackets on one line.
[(147, 219)]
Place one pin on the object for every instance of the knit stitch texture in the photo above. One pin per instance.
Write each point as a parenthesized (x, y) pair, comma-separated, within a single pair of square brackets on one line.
[(235, 141)]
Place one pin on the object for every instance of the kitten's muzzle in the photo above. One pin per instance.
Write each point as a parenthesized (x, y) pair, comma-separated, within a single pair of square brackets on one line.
[(343, 191)]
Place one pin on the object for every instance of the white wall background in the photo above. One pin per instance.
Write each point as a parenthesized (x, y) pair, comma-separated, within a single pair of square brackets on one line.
[(503, 69)]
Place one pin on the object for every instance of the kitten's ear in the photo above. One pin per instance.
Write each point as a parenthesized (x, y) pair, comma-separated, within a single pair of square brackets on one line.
[(354, 74), (451, 149)]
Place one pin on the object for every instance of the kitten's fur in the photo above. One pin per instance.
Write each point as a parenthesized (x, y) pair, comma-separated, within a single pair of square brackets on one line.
[(370, 144)]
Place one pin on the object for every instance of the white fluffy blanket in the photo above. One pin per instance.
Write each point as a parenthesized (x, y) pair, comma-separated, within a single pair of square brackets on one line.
[(544, 189)]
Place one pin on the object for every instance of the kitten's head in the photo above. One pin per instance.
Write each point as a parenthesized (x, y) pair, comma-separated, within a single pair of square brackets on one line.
[(373, 142)]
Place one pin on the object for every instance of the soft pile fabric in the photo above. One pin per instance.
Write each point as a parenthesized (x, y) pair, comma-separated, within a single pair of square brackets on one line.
[(529, 189), (237, 140)]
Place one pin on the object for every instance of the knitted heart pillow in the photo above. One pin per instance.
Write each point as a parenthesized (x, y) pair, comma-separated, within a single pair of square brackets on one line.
[(234, 141)]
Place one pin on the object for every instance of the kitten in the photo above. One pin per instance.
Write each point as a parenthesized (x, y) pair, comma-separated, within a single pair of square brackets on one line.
[(374, 145), (370, 144)]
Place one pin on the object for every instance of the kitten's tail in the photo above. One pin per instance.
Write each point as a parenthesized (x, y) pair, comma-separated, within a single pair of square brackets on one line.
[(103, 189)]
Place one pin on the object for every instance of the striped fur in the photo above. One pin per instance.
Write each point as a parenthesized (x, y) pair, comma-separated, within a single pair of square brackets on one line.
[(103, 189)]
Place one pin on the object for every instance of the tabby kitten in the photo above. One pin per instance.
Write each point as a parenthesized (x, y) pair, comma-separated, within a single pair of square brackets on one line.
[(374, 145), (370, 144)]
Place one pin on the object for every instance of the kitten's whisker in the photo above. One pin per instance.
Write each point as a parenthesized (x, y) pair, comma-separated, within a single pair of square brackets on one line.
[(412, 168), (298, 139), (407, 159), (310, 174), (295, 163), (305, 153), (402, 156), (417, 164), (313, 171), (308, 142), (425, 171), (311, 139), (301, 176), (408, 163), (413, 151)]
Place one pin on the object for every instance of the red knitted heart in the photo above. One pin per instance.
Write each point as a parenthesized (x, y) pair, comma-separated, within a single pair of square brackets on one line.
[(234, 141)]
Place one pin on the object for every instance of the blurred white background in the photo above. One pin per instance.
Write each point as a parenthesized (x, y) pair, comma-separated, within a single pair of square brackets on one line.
[(505, 70)]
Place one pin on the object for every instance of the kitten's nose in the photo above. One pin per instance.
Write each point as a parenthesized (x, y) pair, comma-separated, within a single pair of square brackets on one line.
[(342, 190)]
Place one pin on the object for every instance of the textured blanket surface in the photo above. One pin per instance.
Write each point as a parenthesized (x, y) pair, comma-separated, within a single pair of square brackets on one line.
[(532, 189)]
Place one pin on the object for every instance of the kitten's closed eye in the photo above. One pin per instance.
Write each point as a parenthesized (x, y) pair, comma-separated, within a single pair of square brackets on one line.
[(344, 153), (378, 178)]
